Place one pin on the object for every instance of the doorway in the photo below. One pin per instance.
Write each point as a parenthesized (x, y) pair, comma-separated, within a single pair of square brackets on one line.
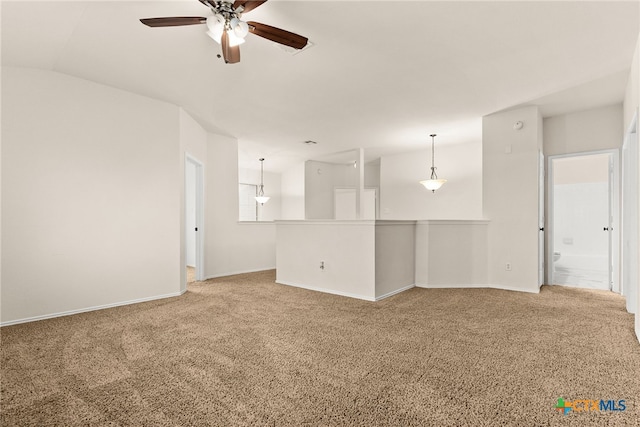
[(193, 219), (582, 214)]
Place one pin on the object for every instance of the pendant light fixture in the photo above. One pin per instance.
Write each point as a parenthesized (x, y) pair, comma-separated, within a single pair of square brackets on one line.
[(261, 198), (433, 183)]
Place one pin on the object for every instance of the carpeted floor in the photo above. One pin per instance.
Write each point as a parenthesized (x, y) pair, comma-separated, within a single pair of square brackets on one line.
[(191, 274), (242, 350)]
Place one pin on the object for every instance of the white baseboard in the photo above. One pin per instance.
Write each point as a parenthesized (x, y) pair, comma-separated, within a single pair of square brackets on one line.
[(397, 291), (326, 291), (235, 273), (94, 308), (477, 286)]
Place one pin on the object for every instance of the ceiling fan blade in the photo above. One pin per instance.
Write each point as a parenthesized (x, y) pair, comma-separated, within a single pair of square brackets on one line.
[(231, 54), (277, 35), (248, 4), (173, 21), (206, 3)]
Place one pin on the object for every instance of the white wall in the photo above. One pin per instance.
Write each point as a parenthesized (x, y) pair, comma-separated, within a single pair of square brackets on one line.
[(510, 189), (190, 214), (93, 198), (631, 104), (349, 267), (318, 190), (292, 192), (373, 260), (345, 204), (451, 254), (231, 247), (90, 196), (395, 259), (630, 220), (583, 131), (635, 78), (345, 176), (372, 174), (632, 92), (581, 212), (581, 208), (403, 197), (321, 179), (581, 169), (1, 222)]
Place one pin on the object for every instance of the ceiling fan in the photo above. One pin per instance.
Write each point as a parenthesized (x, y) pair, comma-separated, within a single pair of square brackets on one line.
[(227, 28)]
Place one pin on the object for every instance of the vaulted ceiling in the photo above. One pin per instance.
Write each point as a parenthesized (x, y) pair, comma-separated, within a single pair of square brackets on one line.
[(381, 75)]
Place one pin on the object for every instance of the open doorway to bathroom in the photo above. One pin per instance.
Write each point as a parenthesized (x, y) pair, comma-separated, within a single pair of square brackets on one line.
[(583, 221)]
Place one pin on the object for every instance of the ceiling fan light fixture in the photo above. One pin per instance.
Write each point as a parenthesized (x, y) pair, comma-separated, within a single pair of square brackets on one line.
[(234, 40), (240, 28), (215, 25), (216, 37)]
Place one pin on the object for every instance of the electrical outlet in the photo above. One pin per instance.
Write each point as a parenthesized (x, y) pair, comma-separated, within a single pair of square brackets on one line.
[(508, 266)]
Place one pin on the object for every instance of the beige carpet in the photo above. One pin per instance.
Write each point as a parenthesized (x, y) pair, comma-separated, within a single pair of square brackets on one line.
[(244, 351), (191, 274)]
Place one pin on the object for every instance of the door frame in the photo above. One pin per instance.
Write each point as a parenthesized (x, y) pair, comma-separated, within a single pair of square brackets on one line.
[(614, 213), (541, 219), (199, 192), (632, 298)]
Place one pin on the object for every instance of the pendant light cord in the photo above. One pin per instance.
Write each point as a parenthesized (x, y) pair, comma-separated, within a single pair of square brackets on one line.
[(433, 156), (261, 191)]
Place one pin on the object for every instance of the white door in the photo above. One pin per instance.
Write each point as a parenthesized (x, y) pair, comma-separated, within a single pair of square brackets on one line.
[(582, 221)]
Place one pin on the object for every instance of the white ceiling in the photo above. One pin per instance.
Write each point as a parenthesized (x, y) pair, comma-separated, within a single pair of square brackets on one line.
[(380, 75)]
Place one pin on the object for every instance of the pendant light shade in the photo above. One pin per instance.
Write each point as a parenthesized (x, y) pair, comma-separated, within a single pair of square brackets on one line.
[(433, 183), (261, 198)]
